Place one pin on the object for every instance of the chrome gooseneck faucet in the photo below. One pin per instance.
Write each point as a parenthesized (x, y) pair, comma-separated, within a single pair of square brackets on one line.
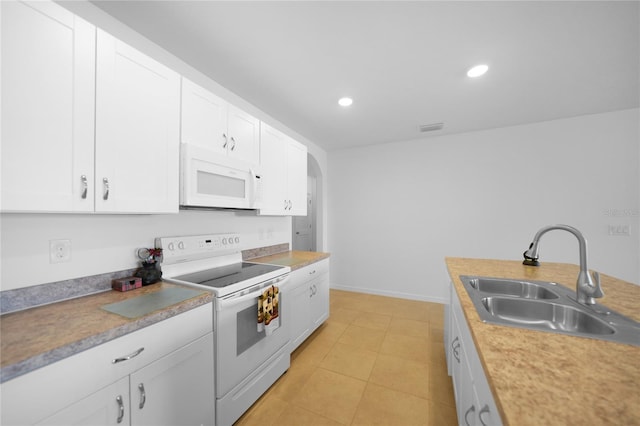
[(586, 290)]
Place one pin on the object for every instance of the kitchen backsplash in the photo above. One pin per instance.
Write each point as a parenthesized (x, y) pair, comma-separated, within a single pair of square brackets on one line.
[(264, 251), (43, 294)]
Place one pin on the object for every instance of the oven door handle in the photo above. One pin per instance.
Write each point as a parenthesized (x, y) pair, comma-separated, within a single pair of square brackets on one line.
[(230, 301)]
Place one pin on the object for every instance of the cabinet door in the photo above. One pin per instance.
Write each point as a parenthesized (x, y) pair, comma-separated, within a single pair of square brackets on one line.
[(487, 412), (297, 178), (319, 301), (177, 389), (137, 131), (273, 162), (298, 313), (48, 72), (244, 136), (468, 410), (204, 118), (108, 406)]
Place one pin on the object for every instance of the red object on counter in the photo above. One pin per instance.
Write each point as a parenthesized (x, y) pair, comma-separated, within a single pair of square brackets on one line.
[(126, 284)]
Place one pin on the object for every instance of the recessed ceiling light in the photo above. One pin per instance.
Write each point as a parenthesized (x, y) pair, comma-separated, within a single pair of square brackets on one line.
[(477, 71), (345, 102)]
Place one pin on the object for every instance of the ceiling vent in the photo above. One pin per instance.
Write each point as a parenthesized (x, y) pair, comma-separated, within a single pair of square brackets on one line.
[(431, 127)]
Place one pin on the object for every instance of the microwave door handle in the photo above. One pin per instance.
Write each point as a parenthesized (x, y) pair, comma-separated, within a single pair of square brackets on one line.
[(254, 179)]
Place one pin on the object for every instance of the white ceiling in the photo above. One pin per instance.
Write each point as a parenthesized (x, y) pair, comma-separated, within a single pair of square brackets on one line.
[(404, 63)]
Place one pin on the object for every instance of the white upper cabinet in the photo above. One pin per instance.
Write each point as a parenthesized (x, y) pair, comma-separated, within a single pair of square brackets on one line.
[(137, 131), (283, 163), (89, 124), (48, 72), (211, 122), (204, 118), (297, 178), (273, 160)]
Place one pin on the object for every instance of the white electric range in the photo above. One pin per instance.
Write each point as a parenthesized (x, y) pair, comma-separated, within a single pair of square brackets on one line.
[(247, 361)]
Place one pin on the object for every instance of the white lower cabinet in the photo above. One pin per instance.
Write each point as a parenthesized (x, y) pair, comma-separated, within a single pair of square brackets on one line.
[(474, 401), (309, 301), (169, 382), (104, 407), (177, 389)]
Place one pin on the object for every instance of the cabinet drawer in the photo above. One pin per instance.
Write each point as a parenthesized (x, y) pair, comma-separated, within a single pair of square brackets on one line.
[(315, 269), (36, 395)]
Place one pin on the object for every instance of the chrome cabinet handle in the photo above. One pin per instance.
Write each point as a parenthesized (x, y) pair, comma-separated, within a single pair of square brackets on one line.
[(128, 357), (120, 408), (471, 409), (143, 396), (234, 143), (485, 409), (224, 145), (105, 184), (455, 348), (85, 186)]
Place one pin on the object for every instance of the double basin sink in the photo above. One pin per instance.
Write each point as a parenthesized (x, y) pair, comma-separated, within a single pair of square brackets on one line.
[(546, 306)]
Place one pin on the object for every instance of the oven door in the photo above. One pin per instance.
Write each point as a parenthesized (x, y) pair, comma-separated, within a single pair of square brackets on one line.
[(240, 348)]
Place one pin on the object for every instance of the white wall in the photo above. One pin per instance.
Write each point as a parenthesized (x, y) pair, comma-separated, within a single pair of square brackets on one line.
[(396, 210), (107, 243)]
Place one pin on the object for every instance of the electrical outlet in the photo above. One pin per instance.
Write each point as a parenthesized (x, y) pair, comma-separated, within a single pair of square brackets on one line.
[(59, 251)]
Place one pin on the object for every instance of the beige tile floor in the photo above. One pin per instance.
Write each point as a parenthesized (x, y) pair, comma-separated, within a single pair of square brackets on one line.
[(376, 361)]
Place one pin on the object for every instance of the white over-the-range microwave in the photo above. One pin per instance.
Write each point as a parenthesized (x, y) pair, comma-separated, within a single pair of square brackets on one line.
[(212, 180)]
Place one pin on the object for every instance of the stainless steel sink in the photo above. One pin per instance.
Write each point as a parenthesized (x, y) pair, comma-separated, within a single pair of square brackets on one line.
[(518, 288), (546, 306), (546, 315)]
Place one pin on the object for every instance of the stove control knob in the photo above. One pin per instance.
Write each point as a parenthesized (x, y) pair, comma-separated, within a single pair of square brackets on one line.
[(224, 241), (181, 245), (237, 240), (171, 246)]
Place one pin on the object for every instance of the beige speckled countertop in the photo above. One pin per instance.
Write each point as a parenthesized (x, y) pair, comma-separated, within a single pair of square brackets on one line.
[(39, 336), (294, 259), (540, 378)]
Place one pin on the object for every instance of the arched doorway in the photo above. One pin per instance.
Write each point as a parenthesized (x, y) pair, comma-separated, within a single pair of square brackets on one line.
[(307, 230)]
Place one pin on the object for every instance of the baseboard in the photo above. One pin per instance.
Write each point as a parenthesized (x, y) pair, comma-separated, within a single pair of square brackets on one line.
[(397, 294)]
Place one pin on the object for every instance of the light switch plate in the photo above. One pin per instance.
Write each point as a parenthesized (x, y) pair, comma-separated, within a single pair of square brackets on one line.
[(620, 230)]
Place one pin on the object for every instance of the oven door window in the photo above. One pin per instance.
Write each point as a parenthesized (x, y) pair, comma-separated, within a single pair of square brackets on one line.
[(247, 335)]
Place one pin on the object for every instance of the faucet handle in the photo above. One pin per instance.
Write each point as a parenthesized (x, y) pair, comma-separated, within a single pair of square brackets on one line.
[(598, 290)]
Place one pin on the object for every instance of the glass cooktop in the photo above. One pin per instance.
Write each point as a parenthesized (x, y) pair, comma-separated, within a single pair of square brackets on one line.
[(227, 275)]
